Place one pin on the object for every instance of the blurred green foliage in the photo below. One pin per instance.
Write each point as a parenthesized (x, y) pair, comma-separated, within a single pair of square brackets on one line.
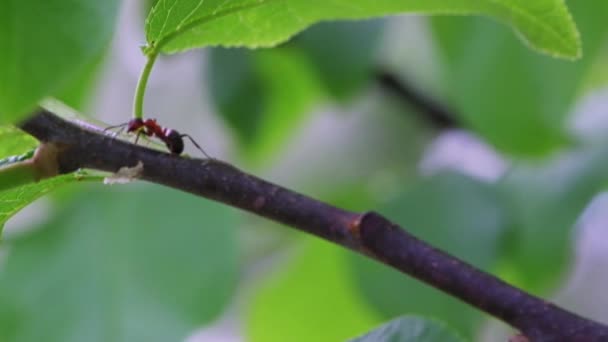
[(108, 268), (545, 202), (265, 95), (46, 46), (312, 298), (516, 99), (143, 263)]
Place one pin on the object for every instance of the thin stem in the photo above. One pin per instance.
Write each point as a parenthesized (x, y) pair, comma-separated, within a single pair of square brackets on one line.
[(153, 49), (140, 91)]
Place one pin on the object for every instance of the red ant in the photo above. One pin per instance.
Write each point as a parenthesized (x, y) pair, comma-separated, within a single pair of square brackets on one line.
[(172, 138)]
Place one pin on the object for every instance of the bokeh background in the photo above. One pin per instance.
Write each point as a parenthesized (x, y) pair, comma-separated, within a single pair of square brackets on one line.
[(512, 183)]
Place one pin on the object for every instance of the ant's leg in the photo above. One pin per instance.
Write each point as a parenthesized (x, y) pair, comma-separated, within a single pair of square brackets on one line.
[(137, 137), (195, 144), (143, 131), (120, 131)]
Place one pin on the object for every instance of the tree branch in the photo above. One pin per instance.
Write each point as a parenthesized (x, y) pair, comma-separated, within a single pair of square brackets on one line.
[(367, 233)]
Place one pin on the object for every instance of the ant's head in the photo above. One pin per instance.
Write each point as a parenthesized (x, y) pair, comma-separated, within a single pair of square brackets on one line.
[(174, 141)]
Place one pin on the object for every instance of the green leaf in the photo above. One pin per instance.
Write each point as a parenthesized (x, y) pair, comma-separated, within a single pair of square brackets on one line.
[(454, 213), (311, 299), (149, 264), (545, 200), (263, 95), (44, 44), (410, 329), (514, 98), (177, 25)]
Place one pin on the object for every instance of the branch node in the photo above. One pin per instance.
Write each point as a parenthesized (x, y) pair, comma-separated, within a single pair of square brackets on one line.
[(45, 160)]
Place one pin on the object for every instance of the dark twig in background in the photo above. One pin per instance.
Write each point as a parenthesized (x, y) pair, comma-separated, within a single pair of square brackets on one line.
[(367, 233), (428, 109)]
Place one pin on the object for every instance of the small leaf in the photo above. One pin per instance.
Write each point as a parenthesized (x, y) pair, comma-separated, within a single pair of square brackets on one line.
[(454, 213), (44, 45), (410, 329), (177, 25), (110, 268)]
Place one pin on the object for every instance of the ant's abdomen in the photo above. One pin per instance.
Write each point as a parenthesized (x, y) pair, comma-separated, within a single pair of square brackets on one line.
[(174, 141)]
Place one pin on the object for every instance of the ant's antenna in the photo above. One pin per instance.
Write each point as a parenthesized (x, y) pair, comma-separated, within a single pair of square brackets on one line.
[(122, 125), (195, 144), (119, 132)]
